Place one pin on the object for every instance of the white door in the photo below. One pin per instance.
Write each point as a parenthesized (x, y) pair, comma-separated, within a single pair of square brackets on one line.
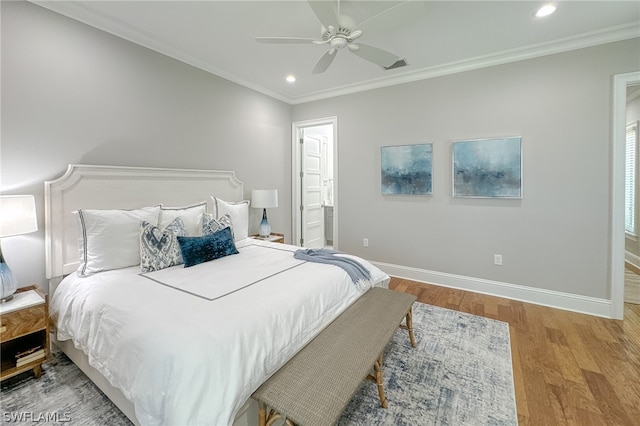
[(314, 181), (311, 187)]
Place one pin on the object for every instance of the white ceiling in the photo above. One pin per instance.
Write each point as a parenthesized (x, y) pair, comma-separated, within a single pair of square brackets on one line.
[(434, 37)]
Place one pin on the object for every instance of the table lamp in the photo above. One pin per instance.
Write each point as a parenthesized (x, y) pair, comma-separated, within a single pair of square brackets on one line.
[(264, 199), (17, 217)]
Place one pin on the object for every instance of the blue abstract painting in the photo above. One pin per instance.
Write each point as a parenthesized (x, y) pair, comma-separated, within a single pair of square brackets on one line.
[(406, 169), (488, 168)]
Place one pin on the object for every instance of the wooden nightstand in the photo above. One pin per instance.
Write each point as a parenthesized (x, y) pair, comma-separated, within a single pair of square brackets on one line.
[(24, 332), (274, 237)]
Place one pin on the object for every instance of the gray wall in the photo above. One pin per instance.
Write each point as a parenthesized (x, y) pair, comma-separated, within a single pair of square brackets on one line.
[(74, 94), (557, 237)]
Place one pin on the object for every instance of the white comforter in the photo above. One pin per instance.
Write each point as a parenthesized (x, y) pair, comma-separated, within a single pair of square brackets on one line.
[(190, 345)]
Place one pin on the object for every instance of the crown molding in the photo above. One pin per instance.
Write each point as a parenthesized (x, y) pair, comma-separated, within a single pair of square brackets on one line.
[(80, 12), (591, 39)]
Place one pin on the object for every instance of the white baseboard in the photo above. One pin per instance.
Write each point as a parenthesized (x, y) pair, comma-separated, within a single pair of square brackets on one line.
[(633, 259), (555, 299)]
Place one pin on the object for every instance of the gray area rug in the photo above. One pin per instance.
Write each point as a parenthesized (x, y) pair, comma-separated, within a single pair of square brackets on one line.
[(460, 374)]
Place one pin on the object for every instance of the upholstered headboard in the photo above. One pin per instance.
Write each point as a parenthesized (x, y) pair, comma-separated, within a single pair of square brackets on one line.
[(115, 187)]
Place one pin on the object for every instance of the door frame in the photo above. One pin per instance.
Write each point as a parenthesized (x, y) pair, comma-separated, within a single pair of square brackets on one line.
[(617, 248), (296, 132)]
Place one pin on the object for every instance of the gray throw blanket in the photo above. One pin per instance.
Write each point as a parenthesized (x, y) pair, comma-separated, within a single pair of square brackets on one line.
[(358, 273)]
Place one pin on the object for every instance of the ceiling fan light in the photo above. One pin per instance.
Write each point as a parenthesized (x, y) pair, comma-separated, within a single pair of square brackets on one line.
[(291, 78), (545, 10), (339, 43)]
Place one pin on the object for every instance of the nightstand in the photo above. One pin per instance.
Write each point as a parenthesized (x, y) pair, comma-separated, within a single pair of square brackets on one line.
[(24, 332), (274, 237)]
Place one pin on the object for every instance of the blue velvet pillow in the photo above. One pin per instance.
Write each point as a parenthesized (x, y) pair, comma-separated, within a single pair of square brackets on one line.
[(197, 250)]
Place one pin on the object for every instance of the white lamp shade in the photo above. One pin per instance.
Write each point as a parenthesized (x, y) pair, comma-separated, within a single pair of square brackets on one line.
[(264, 198), (17, 215)]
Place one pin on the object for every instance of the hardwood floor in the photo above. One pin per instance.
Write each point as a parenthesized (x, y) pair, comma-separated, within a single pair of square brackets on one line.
[(569, 368)]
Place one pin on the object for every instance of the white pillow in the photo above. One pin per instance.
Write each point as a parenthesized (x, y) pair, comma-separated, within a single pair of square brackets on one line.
[(191, 217), (239, 213), (110, 239)]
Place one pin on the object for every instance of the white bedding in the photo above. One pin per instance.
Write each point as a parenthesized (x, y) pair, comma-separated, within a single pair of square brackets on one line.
[(191, 351)]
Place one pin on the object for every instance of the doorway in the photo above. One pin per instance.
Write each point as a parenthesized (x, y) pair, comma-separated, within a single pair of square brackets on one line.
[(314, 181), (632, 243), (621, 83)]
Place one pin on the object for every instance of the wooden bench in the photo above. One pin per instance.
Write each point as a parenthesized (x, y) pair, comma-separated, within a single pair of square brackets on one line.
[(316, 385)]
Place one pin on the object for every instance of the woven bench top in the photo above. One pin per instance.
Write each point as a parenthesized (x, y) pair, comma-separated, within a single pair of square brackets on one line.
[(315, 386)]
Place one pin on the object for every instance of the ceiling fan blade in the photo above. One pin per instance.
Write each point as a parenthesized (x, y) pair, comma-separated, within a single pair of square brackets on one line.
[(354, 35), (376, 55), (382, 13), (285, 40), (325, 61), (325, 12)]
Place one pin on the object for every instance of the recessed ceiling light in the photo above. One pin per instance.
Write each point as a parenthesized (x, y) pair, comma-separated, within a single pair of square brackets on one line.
[(291, 79), (545, 10)]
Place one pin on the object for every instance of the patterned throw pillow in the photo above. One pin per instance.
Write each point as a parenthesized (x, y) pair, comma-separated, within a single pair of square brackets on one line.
[(197, 250), (211, 225), (159, 249)]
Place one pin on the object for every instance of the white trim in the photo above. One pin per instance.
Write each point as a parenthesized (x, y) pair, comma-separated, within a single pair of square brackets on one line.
[(610, 35), (623, 32), (632, 258), (616, 248), (554, 299), (84, 13), (296, 132)]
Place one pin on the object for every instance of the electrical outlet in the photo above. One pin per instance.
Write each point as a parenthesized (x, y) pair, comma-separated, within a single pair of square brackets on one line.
[(497, 259), (365, 242)]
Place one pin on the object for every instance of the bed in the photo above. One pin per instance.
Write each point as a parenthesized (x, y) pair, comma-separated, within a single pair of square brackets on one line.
[(180, 345)]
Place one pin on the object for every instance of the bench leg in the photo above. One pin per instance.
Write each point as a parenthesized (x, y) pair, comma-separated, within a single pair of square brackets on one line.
[(264, 420), (378, 367), (409, 326), (262, 415)]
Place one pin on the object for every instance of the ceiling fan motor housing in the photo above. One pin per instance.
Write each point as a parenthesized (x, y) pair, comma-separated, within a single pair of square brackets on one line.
[(338, 32), (342, 36)]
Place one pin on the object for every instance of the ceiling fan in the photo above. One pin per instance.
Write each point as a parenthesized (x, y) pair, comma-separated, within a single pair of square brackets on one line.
[(338, 31)]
